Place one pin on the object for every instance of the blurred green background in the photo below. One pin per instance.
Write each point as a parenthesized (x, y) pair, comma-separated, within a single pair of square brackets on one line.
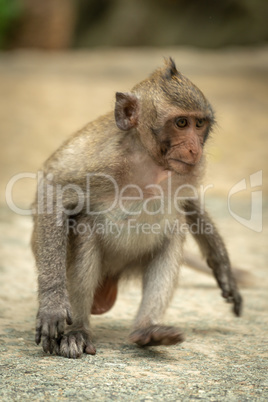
[(59, 24)]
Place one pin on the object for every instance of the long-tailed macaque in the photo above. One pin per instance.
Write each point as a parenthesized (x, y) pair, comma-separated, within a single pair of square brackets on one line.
[(117, 200)]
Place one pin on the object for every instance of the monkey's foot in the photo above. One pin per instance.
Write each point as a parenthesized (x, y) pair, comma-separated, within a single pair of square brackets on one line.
[(156, 335), (74, 343)]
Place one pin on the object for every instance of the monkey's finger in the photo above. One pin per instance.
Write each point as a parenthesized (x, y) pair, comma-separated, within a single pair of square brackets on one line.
[(60, 329), (38, 335), (69, 319), (46, 344), (222, 281), (45, 337), (75, 346), (38, 330), (57, 346), (238, 305), (235, 298), (140, 336), (227, 286), (51, 345), (226, 295), (52, 330)]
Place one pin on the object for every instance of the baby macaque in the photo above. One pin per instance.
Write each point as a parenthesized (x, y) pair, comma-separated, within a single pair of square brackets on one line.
[(116, 200)]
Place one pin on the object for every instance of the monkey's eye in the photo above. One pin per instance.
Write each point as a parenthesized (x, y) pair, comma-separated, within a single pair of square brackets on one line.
[(181, 122), (200, 123)]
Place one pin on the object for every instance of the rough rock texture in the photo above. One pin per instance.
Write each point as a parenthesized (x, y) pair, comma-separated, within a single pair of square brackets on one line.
[(43, 98)]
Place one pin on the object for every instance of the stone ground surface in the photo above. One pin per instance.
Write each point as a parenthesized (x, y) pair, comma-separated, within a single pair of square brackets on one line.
[(46, 96)]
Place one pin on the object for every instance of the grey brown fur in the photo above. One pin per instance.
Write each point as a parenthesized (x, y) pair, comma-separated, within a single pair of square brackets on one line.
[(153, 141)]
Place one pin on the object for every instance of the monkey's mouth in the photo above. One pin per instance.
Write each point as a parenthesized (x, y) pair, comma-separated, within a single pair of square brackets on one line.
[(179, 161), (180, 166)]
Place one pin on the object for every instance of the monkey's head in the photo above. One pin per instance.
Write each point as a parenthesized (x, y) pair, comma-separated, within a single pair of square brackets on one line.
[(171, 116)]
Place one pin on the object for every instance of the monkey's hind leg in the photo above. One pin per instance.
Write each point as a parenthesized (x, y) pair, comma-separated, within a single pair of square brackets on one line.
[(159, 281), (82, 277)]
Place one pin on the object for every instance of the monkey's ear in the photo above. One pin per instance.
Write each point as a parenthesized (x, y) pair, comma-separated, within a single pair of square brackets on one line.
[(171, 68), (126, 110)]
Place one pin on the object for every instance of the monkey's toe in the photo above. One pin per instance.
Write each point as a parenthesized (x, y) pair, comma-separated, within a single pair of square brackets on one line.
[(234, 298), (238, 305), (74, 343), (156, 335)]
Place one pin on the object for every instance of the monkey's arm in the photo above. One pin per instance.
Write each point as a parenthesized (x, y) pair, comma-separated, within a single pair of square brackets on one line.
[(213, 249), (49, 246)]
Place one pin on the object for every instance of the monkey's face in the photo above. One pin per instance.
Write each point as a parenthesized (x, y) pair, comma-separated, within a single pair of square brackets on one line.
[(171, 115), (172, 136), (181, 140)]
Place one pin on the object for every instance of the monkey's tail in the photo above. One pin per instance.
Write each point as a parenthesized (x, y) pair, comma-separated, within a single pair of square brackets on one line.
[(243, 277)]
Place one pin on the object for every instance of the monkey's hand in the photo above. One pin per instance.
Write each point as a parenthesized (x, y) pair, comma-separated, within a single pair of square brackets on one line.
[(50, 322), (227, 284)]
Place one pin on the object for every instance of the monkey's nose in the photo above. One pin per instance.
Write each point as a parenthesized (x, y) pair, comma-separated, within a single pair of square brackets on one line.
[(192, 152), (193, 156)]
